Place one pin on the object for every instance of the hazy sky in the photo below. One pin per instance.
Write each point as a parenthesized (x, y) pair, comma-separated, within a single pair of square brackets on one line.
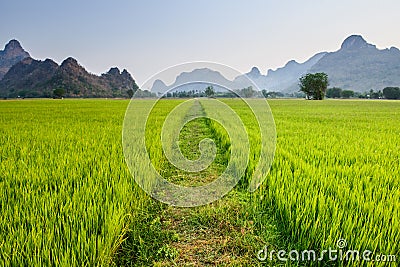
[(148, 36)]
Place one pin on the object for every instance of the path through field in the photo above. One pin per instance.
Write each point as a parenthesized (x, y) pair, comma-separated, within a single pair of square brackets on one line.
[(219, 234)]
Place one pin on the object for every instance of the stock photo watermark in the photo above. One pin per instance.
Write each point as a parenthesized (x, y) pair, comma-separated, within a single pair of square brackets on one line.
[(339, 253)]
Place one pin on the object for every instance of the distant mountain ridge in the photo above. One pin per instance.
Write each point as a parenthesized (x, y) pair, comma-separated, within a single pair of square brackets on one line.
[(360, 66), (283, 77), (196, 80), (357, 66), (35, 78)]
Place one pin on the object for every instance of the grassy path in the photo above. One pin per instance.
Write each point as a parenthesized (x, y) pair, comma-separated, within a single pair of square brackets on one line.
[(223, 233), (190, 136), (216, 234)]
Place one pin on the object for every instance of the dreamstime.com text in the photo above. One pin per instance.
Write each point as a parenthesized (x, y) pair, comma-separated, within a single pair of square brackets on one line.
[(337, 254)]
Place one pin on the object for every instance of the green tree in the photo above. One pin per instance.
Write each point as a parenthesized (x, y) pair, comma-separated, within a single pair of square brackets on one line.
[(347, 93), (272, 94), (314, 85), (375, 95), (130, 93), (144, 94), (264, 92), (59, 92), (209, 91), (334, 92), (391, 92), (22, 93), (247, 92)]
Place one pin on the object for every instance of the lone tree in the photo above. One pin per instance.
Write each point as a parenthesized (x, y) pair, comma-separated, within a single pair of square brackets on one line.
[(130, 93), (58, 93), (209, 91), (314, 85), (391, 92)]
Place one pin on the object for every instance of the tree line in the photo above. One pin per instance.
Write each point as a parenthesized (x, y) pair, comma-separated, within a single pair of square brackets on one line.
[(315, 86), (209, 91), (312, 86)]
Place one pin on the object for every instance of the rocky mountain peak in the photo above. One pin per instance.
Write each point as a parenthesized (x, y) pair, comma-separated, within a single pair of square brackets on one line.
[(50, 62), (355, 42), (13, 45), (255, 72), (71, 65), (292, 63), (13, 49), (114, 71), (159, 87), (69, 62), (126, 74), (12, 54)]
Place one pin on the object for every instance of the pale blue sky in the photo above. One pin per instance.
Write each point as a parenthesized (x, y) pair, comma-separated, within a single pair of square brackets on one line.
[(148, 36)]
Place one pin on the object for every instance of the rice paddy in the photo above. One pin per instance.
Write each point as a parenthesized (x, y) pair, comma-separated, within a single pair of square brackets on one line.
[(67, 197)]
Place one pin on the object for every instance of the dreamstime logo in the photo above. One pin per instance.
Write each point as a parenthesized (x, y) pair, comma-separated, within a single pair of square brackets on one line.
[(332, 254), (197, 76)]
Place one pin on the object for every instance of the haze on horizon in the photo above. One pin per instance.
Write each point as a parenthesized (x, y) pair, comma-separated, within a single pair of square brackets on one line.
[(146, 37)]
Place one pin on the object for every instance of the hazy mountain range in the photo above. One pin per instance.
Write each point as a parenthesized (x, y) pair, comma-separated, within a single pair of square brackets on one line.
[(197, 79), (360, 66), (357, 66), (27, 77)]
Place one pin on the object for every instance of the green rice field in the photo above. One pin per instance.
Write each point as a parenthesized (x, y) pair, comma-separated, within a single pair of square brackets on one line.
[(67, 197)]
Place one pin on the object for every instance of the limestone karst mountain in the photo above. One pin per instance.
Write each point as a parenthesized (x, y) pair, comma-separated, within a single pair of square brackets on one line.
[(35, 78)]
